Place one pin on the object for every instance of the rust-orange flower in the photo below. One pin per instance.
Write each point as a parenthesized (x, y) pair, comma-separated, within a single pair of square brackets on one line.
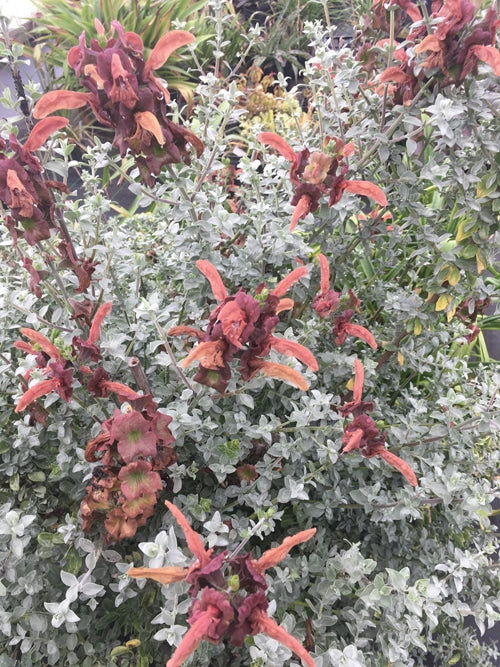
[(316, 174), (228, 592), (242, 327), (125, 95), (362, 433)]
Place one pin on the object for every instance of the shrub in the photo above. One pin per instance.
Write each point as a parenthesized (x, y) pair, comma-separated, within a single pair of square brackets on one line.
[(281, 335)]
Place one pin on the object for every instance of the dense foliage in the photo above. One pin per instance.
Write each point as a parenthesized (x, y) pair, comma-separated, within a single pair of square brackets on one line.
[(279, 334)]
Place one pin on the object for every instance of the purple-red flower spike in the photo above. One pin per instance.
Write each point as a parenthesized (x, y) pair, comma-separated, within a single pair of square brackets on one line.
[(327, 301), (124, 94)]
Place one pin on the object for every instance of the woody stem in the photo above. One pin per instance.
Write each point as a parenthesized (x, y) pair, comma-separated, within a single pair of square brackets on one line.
[(170, 353)]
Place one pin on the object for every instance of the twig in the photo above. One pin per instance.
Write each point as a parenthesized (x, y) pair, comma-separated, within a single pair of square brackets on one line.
[(139, 375)]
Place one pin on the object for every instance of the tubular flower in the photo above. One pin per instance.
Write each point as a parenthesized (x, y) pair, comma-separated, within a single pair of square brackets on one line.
[(242, 327), (362, 433), (228, 593), (342, 328), (23, 188), (316, 174), (125, 95), (327, 301)]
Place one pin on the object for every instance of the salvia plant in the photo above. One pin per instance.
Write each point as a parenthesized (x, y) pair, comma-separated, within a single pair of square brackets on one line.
[(264, 321)]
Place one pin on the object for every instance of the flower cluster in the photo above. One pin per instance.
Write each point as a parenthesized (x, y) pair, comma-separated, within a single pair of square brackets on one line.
[(125, 95), (228, 592), (24, 190), (242, 327), (316, 174), (362, 433), (453, 48), (133, 449)]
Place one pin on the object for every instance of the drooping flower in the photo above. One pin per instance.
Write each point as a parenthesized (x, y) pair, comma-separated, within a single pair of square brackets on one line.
[(228, 592), (133, 449), (362, 433), (316, 174), (134, 436), (125, 95), (55, 368), (242, 327), (59, 370)]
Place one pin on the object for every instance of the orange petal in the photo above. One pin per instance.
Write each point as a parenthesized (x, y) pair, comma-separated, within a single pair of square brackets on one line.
[(95, 329), (192, 639), (400, 465), (40, 389), (360, 332), (183, 330), (148, 121), (411, 9), (59, 99), (292, 349), (42, 131), (489, 55), (429, 43), (285, 304), (273, 556), (20, 197), (359, 379), (300, 211), (213, 277), (324, 284), (281, 372), (278, 143), (99, 28), (284, 285), (394, 74), (209, 354), (275, 631), (43, 343), (193, 540), (352, 440), (165, 46), (120, 389), (165, 575), (366, 189)]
